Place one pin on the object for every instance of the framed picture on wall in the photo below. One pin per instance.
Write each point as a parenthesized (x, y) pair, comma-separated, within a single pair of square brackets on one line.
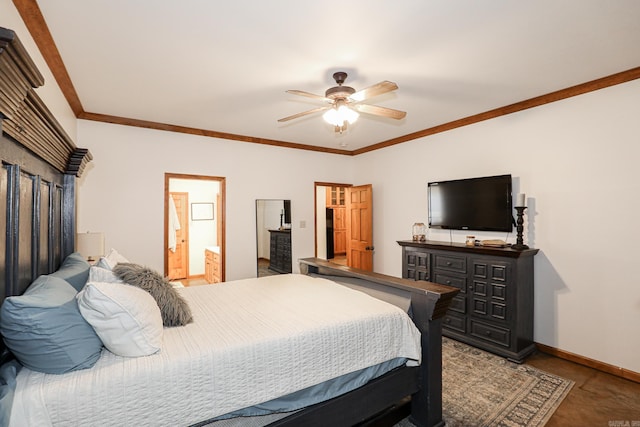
[(202, 211)]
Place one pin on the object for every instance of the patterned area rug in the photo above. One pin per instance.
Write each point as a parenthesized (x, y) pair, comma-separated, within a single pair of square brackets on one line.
[(482, 389)]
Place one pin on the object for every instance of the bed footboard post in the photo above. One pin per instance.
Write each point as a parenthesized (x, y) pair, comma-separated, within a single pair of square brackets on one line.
[(426, 404)]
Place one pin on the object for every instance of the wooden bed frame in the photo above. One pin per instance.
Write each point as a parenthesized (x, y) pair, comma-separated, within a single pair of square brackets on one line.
[(40, 165), (422, 384)]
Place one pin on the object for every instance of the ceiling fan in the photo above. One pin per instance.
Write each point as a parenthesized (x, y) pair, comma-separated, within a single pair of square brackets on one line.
[(344, 103)]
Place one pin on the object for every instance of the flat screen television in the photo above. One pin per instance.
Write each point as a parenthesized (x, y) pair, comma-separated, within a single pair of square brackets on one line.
[(483, 204)]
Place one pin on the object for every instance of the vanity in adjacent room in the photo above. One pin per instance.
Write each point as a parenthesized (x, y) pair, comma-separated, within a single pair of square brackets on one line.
[(212, 270)]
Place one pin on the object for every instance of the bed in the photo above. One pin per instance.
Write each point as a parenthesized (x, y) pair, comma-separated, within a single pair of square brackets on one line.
[(40, 165)]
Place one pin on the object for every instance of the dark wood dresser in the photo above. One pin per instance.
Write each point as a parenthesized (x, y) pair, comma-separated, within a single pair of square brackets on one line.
[(494, 309), (280, 251)]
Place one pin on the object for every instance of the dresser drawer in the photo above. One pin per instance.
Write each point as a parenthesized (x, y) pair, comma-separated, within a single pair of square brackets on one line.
[(449, 280), (450, 262), (459, 304), (491, 333), (455, 323)]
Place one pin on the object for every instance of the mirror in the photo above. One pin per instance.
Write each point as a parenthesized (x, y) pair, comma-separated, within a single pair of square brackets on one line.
[(273, 236)]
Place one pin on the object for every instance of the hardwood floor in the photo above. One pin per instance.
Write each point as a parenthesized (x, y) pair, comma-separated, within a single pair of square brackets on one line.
[(194, 282), (596, 399)]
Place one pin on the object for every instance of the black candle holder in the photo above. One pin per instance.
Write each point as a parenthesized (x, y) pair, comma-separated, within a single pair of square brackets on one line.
[(519, 246)]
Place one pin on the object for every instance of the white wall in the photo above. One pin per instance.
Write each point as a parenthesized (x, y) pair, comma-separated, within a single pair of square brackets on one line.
[(50, 92), (578, 162), (321, 222), (121, 192)]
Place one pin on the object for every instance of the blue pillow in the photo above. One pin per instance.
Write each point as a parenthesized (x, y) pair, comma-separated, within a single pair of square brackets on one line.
[(44, 328), (8, 373), (75, 270)]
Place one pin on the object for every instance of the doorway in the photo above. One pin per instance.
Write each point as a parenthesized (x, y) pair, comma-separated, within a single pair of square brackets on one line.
[(194, 228), (343, 224), (331, 227)]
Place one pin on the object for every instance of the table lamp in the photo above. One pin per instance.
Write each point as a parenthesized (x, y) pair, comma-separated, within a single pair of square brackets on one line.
[(90, 245)]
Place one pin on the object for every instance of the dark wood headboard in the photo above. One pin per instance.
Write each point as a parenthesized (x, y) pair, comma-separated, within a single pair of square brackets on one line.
[(40, 165)]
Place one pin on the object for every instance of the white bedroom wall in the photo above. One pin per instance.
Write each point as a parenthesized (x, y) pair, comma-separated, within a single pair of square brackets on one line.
[(50, 92), (121, 191), (577, 161)]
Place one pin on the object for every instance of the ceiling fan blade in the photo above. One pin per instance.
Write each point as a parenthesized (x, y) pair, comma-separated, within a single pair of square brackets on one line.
[(308, 95), (380, 111), (304, 113), (375, 90)]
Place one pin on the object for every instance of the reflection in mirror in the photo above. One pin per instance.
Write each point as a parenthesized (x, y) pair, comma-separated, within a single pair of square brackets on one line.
[(273, 234)]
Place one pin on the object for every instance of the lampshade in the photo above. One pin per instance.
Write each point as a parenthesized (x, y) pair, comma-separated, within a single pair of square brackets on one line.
[(340, 114), (91, 245)]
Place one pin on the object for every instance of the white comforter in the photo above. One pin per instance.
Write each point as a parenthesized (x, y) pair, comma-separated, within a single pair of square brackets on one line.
[(251, 341)]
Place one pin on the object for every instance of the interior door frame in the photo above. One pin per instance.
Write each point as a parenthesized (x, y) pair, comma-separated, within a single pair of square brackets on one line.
[(221, 217), (315, 208)]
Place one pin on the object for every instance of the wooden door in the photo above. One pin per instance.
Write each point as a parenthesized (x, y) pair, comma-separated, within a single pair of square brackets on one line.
[(336, 201), (359, 218), (178, 260)]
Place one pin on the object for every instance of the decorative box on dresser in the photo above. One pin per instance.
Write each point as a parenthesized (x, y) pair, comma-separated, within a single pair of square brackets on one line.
[(280, 251), (494, 309), (212, 266)]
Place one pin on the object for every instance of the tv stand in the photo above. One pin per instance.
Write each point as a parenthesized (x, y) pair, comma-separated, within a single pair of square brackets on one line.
[(494, 309)]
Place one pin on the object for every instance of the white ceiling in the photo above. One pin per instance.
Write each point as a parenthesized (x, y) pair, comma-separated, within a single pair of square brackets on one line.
[(225, 65)]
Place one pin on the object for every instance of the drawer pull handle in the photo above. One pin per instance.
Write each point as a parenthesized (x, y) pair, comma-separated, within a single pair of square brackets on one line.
[(448, 262), (448, 320), (448, 282), (488, 333)]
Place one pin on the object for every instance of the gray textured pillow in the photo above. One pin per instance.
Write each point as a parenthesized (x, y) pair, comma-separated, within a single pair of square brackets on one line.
[(174, 309)]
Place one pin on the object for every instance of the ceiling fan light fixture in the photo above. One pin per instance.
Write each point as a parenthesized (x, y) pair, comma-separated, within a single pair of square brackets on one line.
[(343, 103), (339, 114)]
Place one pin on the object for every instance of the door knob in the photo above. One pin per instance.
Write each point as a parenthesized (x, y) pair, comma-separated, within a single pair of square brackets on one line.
[(368, 248)]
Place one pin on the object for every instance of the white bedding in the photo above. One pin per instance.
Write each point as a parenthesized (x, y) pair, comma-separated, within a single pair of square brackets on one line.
[(251, 341)]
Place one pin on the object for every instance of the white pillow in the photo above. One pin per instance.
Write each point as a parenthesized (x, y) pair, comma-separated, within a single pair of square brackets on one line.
[(111, 259), (126, 318), (103, 275)]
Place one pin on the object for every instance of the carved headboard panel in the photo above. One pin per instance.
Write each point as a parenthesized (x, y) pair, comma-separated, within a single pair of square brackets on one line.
[(32, 196), (38, 174)]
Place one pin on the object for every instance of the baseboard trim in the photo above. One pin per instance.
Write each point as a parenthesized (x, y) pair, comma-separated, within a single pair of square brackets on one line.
[(591, 363)]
